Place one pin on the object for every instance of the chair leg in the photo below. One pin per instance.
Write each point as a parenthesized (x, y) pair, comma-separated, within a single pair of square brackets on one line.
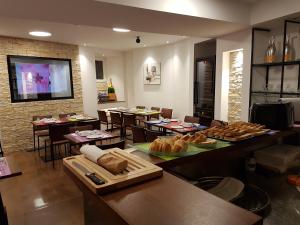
[(52, 154), (38, 143), (33, 141), (45, 151)]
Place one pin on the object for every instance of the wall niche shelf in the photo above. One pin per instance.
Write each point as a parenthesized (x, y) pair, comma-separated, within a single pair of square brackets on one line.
[(271, 81)]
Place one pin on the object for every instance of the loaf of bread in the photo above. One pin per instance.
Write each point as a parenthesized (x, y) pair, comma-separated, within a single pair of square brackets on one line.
[(112, 163)]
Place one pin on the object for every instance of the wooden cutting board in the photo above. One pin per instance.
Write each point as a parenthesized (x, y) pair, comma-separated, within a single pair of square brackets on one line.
[(138, 170)]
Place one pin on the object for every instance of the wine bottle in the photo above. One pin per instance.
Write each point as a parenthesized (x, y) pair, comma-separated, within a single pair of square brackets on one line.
[(288, 50)]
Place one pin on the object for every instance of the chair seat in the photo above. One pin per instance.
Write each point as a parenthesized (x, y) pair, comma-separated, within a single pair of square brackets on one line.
[(42, 133)]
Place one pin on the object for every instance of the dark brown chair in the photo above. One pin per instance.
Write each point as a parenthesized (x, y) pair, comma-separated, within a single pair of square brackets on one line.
[(155, 116), (138, 134), (103, 118), (166, 113), (140, 119), (94, 123), (65, 115), (56, 138), (128, 122), (117, 122), (191, 119), (39, 132), (120, 144), (151, 135), (218, 123), (80, 128), (140, 107), (3, 213), (205, 120)]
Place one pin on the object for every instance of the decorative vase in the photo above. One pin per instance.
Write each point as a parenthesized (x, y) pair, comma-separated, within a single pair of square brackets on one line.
[(288, 50), (270, 55)]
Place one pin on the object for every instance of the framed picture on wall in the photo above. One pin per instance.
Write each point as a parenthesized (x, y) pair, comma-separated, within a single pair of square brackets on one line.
[(152, 74)]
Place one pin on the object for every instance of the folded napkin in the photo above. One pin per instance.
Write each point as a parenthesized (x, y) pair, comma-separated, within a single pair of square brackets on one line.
[(110, 162)]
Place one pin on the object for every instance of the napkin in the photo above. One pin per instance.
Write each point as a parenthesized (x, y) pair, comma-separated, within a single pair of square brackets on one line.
[(92, 152)]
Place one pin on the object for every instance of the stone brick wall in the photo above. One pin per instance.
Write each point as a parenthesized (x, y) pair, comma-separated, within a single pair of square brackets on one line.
[(15, 118), (235, 86)]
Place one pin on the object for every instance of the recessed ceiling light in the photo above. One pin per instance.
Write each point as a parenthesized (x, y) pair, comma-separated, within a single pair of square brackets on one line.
[(84, 44), (145, 45), (167, 42), (40, 33), (118, 29), (103, 55)]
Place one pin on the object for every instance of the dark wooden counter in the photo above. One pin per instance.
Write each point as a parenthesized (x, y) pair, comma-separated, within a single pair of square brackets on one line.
[(164, 201)]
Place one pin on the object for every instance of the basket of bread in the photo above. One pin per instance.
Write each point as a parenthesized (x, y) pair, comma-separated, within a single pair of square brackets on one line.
[(179, 145), (237, 131)]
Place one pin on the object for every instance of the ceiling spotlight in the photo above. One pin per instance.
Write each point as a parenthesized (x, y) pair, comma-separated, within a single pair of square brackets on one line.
[(40, 33), (138, 40), (103, 55), (167, 42), (84, 44), (144, 45), (118, 29)]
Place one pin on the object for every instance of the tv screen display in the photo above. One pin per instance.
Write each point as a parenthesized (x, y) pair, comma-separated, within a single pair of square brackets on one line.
[(36, 78)]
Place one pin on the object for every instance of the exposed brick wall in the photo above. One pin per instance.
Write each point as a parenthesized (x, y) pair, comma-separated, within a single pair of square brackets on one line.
[(235, 87), (15, 118)]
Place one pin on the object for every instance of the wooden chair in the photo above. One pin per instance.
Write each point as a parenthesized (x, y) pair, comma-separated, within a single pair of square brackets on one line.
[(120, 144), (156, 117), (94, 123), (138, 134), (39, 132), (56, 138), (65, 115), (151, 135), (166, 113), (140, 119), (140, 107), (75, 149), (191, 119), (218, 123), (205, 120), (117, 122), (129, 120), (103, 118)]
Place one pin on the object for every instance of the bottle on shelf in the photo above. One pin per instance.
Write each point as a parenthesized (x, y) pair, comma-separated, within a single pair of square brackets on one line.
[(270, 55), (288, 50)]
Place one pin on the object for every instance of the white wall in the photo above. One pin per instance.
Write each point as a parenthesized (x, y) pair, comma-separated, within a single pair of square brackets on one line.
[(88, 79), (239, 40), (113, 68), (177, 68)]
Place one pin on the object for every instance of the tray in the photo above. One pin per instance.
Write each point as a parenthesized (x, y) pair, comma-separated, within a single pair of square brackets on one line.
[(138, 170), (242, 137)]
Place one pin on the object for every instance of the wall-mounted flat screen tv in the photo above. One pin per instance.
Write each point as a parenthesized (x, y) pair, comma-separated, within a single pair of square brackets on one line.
[(39, 79)]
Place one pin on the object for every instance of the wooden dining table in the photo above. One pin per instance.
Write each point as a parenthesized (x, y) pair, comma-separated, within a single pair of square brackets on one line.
[(175, 126), (138, 112), (76, 139), (8, 168)]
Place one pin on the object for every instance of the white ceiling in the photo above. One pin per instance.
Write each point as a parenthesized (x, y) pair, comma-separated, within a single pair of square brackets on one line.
[(83, 35)]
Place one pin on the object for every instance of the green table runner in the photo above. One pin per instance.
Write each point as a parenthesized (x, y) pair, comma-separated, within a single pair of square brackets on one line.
[(192, 149)]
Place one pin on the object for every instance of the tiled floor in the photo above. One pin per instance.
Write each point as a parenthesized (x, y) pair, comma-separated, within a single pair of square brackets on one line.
[(44, 196), (41, 195)]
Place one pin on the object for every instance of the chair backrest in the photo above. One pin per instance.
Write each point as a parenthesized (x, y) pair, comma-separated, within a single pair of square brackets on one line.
[(166, 113), (80, 128), (140, 107), (218, 123), (34, 118), (155, 108), (191, 119), (102, 116), (64, 115), (138, 134), (94, 123), (116, 118), (120, 144), (151, 135), (57, 131), (129, 119), (205, 120)]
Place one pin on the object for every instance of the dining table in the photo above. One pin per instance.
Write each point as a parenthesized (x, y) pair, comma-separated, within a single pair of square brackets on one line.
[(8, 168), (175, 125), (89, 137), (138, 112)]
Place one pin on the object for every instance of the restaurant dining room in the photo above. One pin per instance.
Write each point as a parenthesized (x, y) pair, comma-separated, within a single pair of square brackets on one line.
[(162, 112)]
